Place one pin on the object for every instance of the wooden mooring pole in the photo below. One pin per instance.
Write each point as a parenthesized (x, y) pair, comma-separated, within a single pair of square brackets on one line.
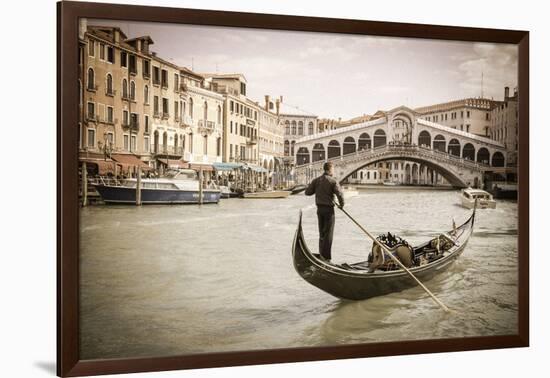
[(84, 184), (138, 186), (200, 185)]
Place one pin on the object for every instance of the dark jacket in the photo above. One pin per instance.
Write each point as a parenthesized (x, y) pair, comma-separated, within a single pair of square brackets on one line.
[(325, 187)]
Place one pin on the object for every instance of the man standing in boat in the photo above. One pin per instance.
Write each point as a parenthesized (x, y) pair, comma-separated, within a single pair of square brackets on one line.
[(325, 187)]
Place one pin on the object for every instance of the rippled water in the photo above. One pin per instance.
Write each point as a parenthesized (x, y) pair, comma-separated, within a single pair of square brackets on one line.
[(168, 280)]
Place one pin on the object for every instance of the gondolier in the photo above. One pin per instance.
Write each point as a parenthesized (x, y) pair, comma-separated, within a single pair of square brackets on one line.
[(325, 187)]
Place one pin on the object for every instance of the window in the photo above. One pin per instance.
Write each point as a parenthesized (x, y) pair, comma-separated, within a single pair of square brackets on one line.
[(133, 65), (101, 51), (91, 79), (243, 89), (146, 94), (109, 140), (134, 120), (146, 144), (124, 89), (156, 105), (191, 142), (134, 141), (164, 79), (176, 110), (146, 68), (165, 107), (110, 54), (91, 138), (110, 114), (205, 145), (126, 142), (218, 146), (91, 48), (231, 151), (132, 91), (123, 59), (156, 75), (91, 110), (205, 110), (191, 107), (468, 114), (109, 85), (176, 82), (468, 128), (219, 117), (231, 127), (231, 105), (146, 124)]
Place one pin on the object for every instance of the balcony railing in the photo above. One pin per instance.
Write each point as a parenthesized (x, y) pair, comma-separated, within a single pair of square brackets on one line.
[(252, 140), (165, 115), (133, 124), (206, 125), (161, 149)]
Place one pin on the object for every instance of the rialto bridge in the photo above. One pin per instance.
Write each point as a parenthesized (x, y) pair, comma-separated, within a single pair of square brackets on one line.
[(399, 134)]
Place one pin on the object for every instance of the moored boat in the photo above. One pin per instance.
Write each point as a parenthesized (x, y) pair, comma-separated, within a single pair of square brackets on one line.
[(180, 187), (360, 281), (296, 189), (267, 194), (469, 196)]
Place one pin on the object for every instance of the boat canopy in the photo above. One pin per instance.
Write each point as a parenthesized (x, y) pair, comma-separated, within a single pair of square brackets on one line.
[(226, 166)]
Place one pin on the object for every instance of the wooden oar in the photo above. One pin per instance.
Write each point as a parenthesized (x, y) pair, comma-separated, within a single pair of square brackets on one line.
[(396, 260)]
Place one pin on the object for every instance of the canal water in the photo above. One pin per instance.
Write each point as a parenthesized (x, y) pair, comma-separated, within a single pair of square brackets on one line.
[(171, 280)]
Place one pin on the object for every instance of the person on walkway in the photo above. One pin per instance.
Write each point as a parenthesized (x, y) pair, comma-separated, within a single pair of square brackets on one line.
[(325, 187)]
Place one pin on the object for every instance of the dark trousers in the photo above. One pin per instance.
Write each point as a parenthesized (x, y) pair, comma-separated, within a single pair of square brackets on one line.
[(325, 216)]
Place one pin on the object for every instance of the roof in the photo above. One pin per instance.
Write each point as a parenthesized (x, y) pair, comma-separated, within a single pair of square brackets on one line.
[(130, 160), (224, 76), (290, 110)]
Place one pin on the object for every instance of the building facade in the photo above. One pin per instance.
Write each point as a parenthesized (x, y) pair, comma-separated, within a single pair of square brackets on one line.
[(472, 115), (271, 135), (296, 123), (504, 125)]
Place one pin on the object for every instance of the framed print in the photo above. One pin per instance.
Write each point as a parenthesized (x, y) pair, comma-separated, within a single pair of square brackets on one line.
[(238, 188)]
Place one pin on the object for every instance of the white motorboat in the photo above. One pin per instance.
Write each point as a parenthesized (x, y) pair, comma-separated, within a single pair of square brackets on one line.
[(484, 199)]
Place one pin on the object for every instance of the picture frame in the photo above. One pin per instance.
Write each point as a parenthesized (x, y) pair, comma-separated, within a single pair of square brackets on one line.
[(68, 361)]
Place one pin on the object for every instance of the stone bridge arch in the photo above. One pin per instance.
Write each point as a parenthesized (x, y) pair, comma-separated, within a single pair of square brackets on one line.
[(450, 174)]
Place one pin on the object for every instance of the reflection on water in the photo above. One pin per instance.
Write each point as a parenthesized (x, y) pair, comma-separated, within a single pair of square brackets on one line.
[(167, 280)]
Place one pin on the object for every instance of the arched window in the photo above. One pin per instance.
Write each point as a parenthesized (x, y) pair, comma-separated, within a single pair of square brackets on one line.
[(333, 149), (293, 127), (132, 90), (302, 156), (440, 143), (483, 156), (287, 148), (165, 142), (124, 88), (468, 152), (219, 115), (364, 142), (424, 139), (191, 142), (287, 128), (498, 159), (454, 147), (91, 79), (349, 145), (146, 94), (191, 107), (379, 138), (109, 84), (318, 152), (310, 130), (300, 128), (292, 148)]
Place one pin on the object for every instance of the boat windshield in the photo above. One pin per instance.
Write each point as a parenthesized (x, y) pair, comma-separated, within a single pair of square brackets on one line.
[(182, 174)]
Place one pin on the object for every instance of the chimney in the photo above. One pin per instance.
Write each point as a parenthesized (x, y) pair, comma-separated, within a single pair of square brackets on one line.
[(266, 102), (117, 36), (139, 43), (506, 93), (145, 46)]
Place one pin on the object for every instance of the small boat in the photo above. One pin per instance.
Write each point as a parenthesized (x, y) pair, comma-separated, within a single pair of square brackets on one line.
[(504, 191), (179, 187), (484, 199), (226, 192), (390, 183), (360, 281), (296, 189), (268, 194)]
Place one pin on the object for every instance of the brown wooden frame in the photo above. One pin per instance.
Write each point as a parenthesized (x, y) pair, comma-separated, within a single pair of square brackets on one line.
[(68, 361)]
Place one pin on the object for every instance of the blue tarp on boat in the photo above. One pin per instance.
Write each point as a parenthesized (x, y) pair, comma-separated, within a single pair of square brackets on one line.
[(226, 166)]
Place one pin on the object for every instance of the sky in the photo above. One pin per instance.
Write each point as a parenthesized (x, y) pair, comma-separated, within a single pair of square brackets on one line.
[(336, 75)]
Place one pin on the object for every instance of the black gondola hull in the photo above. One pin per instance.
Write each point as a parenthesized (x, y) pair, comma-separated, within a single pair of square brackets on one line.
[(359, 284)]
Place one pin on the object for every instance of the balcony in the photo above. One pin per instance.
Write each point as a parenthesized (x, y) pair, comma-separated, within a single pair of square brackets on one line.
[(156, 114), (133, 124), (165, 115), (207, 126), (252, 140), (161, 150)]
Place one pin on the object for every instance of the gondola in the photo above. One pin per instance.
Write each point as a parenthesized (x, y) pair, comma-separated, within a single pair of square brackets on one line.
[(357, 282)]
